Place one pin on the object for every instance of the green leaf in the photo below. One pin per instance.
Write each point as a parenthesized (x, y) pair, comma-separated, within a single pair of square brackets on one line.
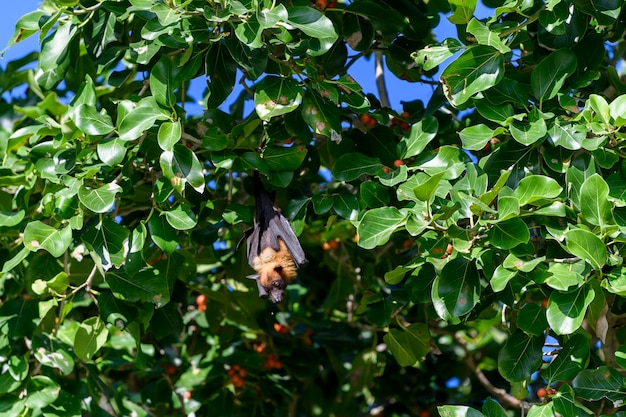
[(346, 205), (322, 115), (474, 138), (42, 391), (162, 234), (373, 194), (548, 77), (566, 404), (484, 36), (477, 69), (139, 119), (169, 135), (274, 96), (433, 55), (164, 79), (26, 26), (459, 286), (603, 382), (570, 361), (509, 233), (316, 25), (181, 218), (146, 285), (111, 151), (462, 11), (351, 166), (587, 247), (221, 71), (532, 319), (107, 243), (358, 31), (99, 200), (91, 335), (569, 136), (595, 206), (280, 158), (534, 188), (11, 219), (38, 235), (492, 408), (501, 277), (377, 226), (543, 410), (418, 137), (566, 310), (458, 411), (520, 356), (181, 166), (92, 122), (528, 132), (385, 19), (409, 345)]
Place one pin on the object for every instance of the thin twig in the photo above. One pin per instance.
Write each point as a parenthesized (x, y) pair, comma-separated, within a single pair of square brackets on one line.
[(503, 397)]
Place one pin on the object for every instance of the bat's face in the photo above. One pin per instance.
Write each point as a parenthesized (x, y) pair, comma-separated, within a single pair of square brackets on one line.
[(273, 282)]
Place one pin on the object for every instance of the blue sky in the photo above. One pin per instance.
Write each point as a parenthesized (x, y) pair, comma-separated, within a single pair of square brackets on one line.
[(363, 71)]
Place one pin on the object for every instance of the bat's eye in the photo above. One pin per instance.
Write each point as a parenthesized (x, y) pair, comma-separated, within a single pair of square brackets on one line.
[(278, 268)]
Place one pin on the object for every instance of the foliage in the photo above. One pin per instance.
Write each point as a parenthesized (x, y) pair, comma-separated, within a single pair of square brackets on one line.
[(465, 247)]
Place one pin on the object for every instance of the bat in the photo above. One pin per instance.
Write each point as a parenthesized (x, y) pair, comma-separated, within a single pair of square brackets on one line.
[(273, 251)]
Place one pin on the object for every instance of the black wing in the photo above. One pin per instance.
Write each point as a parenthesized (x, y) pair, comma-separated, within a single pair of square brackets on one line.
[(268, 226)]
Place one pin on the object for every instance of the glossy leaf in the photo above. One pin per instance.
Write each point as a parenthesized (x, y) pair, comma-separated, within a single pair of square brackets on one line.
[(477, 69), (534, 188), (418, 137), (169, 135), (548, 77), (38, 235), (532, 319), (566, 310), (92, 122), (139, 119), (101, 199), (275, 96), (91, 335), (595, 206), (520, 356), (377, 225), (459, 286), (410, 345), (351, 166), (181, 218), (570, 361), (433, 55), (182, 167), (146, 285), (107, 243), (587, 247), (602, 382), (509, 234)]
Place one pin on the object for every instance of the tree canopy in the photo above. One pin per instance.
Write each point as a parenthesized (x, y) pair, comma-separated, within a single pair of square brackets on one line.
[(465, 251)]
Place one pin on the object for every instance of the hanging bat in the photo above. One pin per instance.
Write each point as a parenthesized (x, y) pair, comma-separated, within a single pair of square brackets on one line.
[(274, 251)]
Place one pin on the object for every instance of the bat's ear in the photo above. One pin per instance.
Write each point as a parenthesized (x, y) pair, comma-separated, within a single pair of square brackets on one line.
[(262, 291)]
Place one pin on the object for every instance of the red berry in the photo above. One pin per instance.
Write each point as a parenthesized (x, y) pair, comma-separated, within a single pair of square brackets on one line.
[(541, 392)]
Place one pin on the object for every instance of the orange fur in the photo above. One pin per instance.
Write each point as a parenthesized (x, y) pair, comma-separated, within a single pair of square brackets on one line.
[(272, 265)]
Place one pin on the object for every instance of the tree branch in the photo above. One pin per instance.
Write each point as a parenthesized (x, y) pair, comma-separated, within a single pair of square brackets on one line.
[(380, 80), (503, 397)]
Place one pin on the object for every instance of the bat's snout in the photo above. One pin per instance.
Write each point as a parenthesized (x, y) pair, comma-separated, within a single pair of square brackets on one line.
[(277, 290)]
